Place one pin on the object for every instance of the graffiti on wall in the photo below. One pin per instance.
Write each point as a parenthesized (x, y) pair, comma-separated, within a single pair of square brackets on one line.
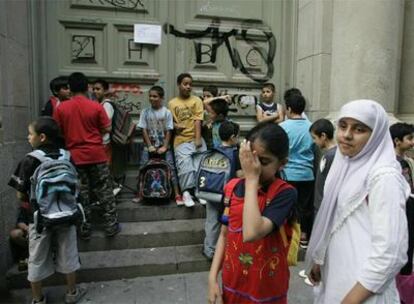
[(128, 95), (134, 48), (120, 4), (257, 54), (83, 48)]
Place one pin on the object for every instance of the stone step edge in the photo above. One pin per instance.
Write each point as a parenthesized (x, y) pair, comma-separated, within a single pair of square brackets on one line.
[(152, 227), (126, 263), (146, 235)]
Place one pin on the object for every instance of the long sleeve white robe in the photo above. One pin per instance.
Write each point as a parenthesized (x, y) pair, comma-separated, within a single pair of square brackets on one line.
[(369, 247)]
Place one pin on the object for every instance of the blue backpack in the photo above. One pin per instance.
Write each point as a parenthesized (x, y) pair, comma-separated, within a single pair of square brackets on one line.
[(54, 191), (217, 167)]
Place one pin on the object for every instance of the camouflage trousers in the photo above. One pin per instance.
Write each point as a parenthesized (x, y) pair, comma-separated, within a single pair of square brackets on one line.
[(96, 179)]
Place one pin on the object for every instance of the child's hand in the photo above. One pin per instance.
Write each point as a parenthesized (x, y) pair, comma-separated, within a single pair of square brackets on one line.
[(197, 142), (214, 293), (315, 274), (227, 98), (249, 161), (151, 149), (162, 150)]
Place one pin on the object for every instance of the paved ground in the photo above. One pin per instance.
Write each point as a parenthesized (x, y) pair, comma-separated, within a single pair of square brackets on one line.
[(190, 288)]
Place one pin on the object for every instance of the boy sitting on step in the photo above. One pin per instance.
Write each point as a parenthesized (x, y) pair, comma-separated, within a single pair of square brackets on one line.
[(156, 123)]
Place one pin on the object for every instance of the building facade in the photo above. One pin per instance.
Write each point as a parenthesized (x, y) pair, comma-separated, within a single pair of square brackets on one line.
[(333, 50)]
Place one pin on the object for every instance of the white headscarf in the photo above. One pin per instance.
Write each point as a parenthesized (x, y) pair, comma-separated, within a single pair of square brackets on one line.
[(350, 175)]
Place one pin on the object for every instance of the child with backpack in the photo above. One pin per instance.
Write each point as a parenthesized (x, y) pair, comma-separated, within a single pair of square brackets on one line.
[(187, 111), (402, 135), (251, 252), (156, 123), (44, 136), (211, 175)]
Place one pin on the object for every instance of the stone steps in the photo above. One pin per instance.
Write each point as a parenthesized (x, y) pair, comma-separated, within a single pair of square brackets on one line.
[(132, 212), (155, 240), (126, 263), (148, 234)]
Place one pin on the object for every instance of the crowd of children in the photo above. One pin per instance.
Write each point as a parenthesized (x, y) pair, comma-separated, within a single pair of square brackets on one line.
[(276, 178)]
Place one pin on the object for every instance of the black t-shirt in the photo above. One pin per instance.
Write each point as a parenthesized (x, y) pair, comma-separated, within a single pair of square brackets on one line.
[(20, 179), (47, 109), (322, 171), (279, 208), (406, 172)]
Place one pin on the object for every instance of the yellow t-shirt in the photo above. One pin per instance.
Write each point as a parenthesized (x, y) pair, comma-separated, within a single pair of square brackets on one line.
[(186, 112)]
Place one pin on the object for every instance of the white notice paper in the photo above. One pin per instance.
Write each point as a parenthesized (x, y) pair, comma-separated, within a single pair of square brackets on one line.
[(147, 33)]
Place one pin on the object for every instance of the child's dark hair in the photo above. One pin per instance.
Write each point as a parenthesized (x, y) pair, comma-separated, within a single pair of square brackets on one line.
[(296, 103), (48, 126), (220, 107), (275, 141), (182, 76), (322, 126), (212, 89), (273, 137), (103, 83), (291, 92), (57, 83), (78, 83), (228, 129), (401, 129), (158, 89), (269, 85)]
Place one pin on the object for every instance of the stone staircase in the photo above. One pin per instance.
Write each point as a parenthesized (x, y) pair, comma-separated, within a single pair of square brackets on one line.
[(155, 240)]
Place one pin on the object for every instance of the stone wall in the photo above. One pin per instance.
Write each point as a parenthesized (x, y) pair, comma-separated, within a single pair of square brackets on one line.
[(15, 108)]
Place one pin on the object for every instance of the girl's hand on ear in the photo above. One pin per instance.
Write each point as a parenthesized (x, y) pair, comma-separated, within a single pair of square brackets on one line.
[(249, 161)]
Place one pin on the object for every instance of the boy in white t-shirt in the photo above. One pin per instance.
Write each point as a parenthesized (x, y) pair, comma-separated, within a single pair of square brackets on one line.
[(156, 123), (100, 91)]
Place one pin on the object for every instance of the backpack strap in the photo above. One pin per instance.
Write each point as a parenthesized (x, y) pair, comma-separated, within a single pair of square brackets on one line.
[(229, 189), (39, 155), (42, 156), (277, 186), (64, 154)]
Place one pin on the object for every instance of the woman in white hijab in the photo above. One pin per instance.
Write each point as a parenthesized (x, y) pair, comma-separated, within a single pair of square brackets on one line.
[(359, 239)]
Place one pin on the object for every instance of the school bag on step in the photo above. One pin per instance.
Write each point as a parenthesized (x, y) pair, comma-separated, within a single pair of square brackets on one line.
[(217, 167), (54, 191), (154, 181)]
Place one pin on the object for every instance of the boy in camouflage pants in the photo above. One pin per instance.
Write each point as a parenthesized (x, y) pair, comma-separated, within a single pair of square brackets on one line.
[(83, 121)]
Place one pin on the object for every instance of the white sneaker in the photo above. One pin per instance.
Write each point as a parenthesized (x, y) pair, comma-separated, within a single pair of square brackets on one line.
[(116, 190), (188, 200), (308, 282), (202, 201), (302, 274)]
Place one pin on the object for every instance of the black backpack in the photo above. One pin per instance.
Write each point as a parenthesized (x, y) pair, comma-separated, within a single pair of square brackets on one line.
[(154, 181)]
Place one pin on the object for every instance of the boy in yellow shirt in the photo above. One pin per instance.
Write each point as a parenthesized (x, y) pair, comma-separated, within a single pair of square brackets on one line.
[(187, 111)]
